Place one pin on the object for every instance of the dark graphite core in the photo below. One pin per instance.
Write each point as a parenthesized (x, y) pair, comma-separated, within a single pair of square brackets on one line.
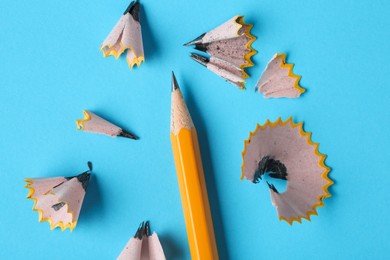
[(133, 9), (274, 168)]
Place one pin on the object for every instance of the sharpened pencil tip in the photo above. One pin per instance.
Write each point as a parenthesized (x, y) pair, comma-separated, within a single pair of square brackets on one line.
[(174, 82)]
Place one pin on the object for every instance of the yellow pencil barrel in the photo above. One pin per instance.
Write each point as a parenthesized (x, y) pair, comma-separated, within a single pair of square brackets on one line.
[(193, 191)]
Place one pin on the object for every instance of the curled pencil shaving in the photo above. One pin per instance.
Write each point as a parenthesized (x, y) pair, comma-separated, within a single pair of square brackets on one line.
[(95, 124), (143, 245), (285, 150), (229, 46), (126, 35), (278, 79), (58, 200)]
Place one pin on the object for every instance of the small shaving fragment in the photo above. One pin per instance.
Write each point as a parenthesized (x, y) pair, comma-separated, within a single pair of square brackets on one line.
[(278, 80)]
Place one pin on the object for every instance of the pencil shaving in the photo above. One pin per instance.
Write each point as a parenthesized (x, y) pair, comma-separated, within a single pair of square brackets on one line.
[(58, 200), (278, 79), (95, 124), (143, 246), (230, 48), (294, 158), (126, 35)]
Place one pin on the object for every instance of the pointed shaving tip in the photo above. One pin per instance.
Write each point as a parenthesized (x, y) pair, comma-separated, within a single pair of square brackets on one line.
[(147, 228), (200, 59), (126, 134), (198, 40), (89, 165), (83, 178), (133, 9), (140, 231), (129, 7), (174, 82)]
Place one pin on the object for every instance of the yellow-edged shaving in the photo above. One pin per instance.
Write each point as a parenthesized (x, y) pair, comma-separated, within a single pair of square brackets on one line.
[(321, 163), (137, 60), (60, 224), (290, 67), (80, 122), (240, 21)]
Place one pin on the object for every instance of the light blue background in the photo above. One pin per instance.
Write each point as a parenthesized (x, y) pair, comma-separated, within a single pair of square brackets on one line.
[(52, 69)]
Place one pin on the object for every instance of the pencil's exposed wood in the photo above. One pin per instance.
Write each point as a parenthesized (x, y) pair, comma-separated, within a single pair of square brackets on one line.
[(180, 118), (191, 180)]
